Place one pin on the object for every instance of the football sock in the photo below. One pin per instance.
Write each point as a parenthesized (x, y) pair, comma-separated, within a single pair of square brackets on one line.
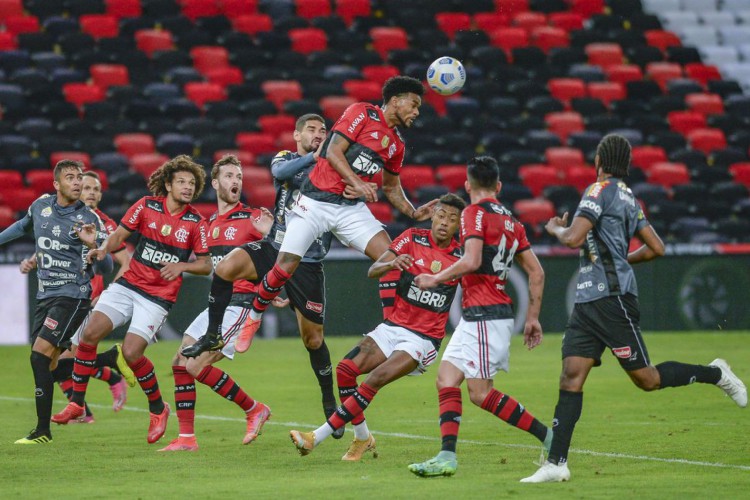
[(675, 374), (270, 287), (143, 369), (346, 378), (44, 385), (320, 361), (353, 406), (64, 369), (218, 301), (107, 358), (106, 374), (387, 288), (223, 385), (567, 413), (184, 398), (450, 417), (67, 387), (82, 369), (361, 431), (508, 409)]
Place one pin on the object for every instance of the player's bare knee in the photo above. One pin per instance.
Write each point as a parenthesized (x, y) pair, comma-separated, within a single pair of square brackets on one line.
[(646, 381), (194, 367), (312, 336), (477, 395)]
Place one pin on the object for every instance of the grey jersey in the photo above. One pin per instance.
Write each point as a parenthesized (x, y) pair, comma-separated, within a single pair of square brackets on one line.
[(62, 269), (616, 216), (295, 170)]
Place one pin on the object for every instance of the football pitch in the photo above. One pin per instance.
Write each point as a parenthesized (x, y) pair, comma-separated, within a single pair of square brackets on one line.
[(687, 442)]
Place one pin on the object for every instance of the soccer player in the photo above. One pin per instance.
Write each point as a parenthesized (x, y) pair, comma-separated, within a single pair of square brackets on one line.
[(170, 230), (480, 346), (405, 343), (606, 313), (64, 230), (233, 224), (365, 141)]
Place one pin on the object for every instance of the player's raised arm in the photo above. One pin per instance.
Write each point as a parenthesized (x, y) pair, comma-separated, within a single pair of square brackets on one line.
[(112, 243), (388, 262), (571, 236)]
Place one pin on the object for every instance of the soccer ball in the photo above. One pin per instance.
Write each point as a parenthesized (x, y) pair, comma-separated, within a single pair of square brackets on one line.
[(446, 75)]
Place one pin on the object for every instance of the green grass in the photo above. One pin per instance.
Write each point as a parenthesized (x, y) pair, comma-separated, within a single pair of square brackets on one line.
[(687, 442)]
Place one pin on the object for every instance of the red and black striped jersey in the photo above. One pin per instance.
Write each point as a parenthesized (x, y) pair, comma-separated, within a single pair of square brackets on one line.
[(503, 236), (97, 282), (374, 146), (230, 230), (423, 311), (164, 238)]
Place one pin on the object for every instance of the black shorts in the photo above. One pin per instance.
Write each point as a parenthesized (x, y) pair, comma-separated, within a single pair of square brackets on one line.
[(610, 322), (306, 288), (56, 319)]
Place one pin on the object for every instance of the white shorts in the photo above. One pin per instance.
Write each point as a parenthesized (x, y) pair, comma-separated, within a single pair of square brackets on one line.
[(353, 225), (234, 318), (391, 338), (76, 338), (480, 348), (122, 304)]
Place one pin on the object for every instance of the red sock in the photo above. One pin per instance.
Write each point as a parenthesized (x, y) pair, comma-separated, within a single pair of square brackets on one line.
[(270, 286), (67, 387), (223, 385), (184, 399), (144, 372), (450, 416), (387, 288), (508, 409), (346, 378), (353, 407), (83, 367)]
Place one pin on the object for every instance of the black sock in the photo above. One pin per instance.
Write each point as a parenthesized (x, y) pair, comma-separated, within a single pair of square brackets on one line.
[(43, 391), (218, 301), (567, 413), (107, 358), (64, 369), (676, 374), (320, 361)]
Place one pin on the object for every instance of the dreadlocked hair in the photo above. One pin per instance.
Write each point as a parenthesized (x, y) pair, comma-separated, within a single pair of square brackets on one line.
[(614, 155), (158, 181)]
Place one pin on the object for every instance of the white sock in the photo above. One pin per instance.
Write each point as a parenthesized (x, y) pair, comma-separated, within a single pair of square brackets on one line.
[(322, 432), (361, 431)]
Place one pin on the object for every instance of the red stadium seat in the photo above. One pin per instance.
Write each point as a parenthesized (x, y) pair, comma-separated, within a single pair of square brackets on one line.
[(124, 8), (565, 89), (569, 21), (84, 158), (537, 177), (130, 145), (334, 106), (662, 72), (668, 174), (246, 158), (586, 8), (604, 54), (645, 156), (450, 22), (7, 217), (254, 176), (205, 209), (707, 139), (252, 24), (350, 9), (256, 143), (490, 21), (108, 75), (149, 41), (702, 73), (10, 8), (383, 211), (206, 57), (564, 123), (685, 121), (195, 9), (40, 180), (102, 178), (414, 177), (236, 8), (281, 91), (203, 92), (8, 41), (580, 177), (528, 20), (285, 141), (741, 172), (22, 24), (10, 179), (147, 163), (82, 93), (308, 40), (662, 39), (20, 199), (309, 9), (535, 212), (451, 176), (276, 124), (263, 195), (226, 75), (363, 90), (623, 73), (385, 39), (549, 37), (607, 91), (509, 38), (562, 157), (511, 6), (100, 25), (379, 73), (707, 104)]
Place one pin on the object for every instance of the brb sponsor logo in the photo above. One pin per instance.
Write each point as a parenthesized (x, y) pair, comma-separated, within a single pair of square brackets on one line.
[(157, 256), (364, 165), (426, 297)]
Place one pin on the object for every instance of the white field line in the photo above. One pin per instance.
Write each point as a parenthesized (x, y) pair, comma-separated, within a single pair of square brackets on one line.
[(402, 435)]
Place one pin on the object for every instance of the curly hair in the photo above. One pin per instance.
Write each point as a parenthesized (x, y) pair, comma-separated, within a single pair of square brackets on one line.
[(224, 160), (398, 85), (158, 181)]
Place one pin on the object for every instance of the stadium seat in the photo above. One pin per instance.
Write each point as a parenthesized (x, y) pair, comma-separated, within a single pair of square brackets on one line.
[(124, 8), (40, 180), (10, 180), (203, 92), (569, 21), (565, 89), (309, 9), (108, 75), (84, 158), (308, 40), (623, 73), (606, 91), (580, 177), (262, 195), (363, 90), (661, 39), (702, 73), (383, 211), (563, 157), (668, 174), (10, 8), (685, 121), (82, 93), (509, 38), (538, 177), (17, 25), (604, 54), (276, 124), (645, 156), (334, 106), (535, 212), (548, 38), (348, 10), (707, 139), (281, 91), (100, 25), (415, 176), (707, 104), (20, 199), (490, 21), (256, 143), (206, 57), (511, 7), (386, 39), (451, 176), (151, 40), (379, 73), (741, 173), (587, 8), (564, 123), (662, 72), (252, 24), (131, 144), (450, 22), (7, 217), (146, 164), (225, 76)]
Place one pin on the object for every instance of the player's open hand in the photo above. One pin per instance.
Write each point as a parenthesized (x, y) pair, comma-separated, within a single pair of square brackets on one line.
[(86, 233), (532, 334), (556, 222), (351, 194), (360, 188), (279, 302), (425, 211), (170, 271), (264, 221), (426, 281), (402, 262)]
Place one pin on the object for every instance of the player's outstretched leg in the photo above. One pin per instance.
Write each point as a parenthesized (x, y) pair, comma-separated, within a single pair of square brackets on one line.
[(218, 301), (445, 463)]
